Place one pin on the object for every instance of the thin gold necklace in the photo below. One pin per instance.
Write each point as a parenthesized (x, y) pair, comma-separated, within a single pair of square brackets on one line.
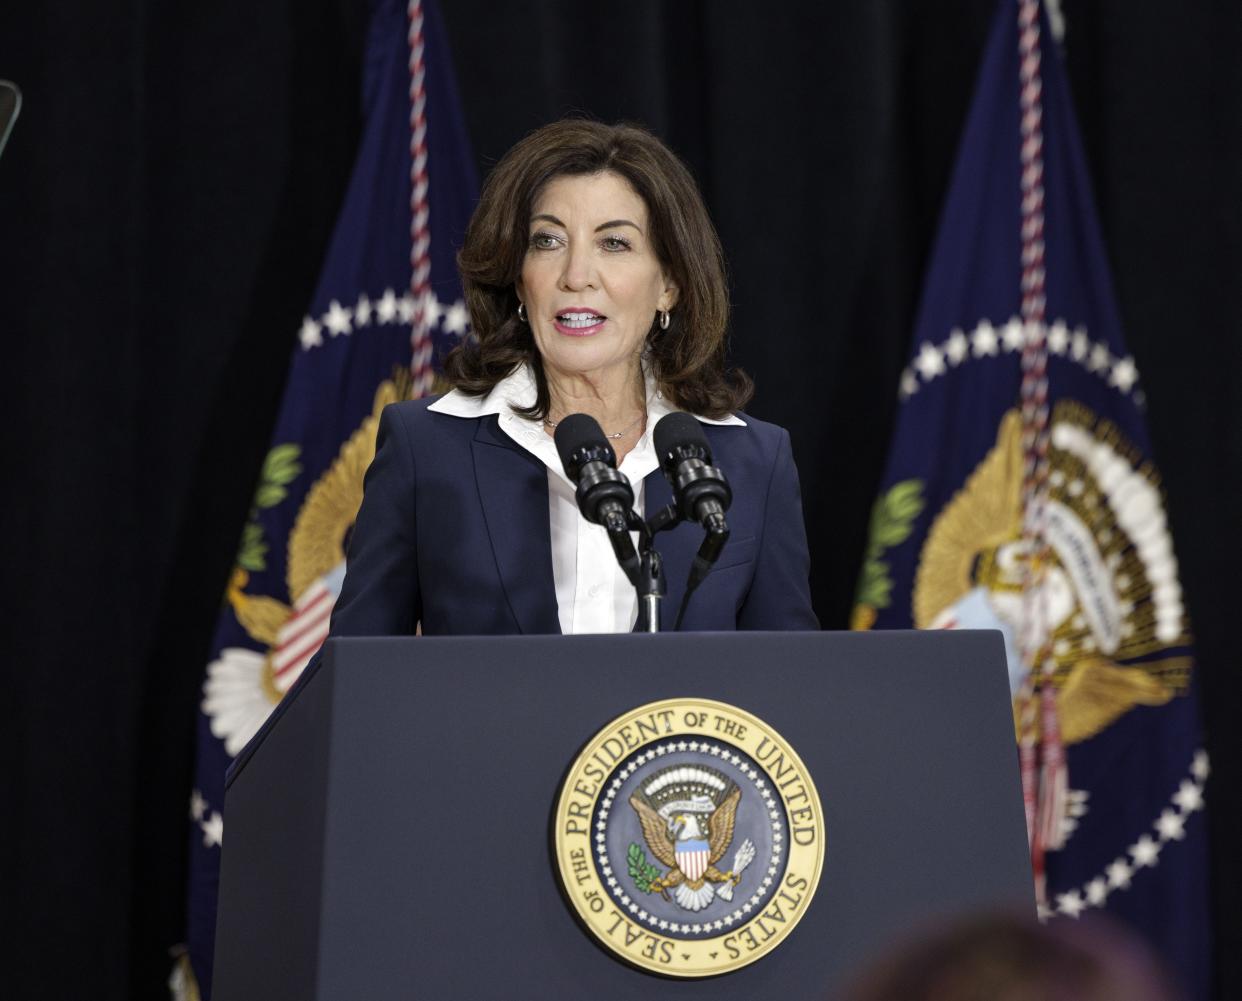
[(620, 434)]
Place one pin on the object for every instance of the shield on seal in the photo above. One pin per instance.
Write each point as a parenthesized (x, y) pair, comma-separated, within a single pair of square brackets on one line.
[(692, 857)]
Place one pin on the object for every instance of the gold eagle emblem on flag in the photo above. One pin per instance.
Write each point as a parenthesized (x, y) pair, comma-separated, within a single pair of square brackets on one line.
[(1110, 591)]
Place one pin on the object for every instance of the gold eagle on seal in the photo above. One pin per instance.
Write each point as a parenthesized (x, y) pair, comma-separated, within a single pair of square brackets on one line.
[(687, 816)]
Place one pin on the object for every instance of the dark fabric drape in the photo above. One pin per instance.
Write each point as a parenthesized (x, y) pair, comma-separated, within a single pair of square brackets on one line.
[(164, 203), (165, 198)]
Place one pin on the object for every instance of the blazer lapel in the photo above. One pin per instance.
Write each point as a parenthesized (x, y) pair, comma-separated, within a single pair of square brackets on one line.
[(513, 490)]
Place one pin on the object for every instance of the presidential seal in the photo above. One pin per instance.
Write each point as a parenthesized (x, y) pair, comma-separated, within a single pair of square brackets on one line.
[(689, 837)]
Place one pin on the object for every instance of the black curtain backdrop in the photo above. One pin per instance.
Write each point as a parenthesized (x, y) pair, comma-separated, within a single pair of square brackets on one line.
[(166, 198)]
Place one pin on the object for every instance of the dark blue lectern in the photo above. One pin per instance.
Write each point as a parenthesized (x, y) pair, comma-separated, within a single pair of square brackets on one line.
[(389, 836)]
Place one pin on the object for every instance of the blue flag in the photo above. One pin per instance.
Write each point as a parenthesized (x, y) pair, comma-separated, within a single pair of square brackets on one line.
[(1020, 494), (388, 305)]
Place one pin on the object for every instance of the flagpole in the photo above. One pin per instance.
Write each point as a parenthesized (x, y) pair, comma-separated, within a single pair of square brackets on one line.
[(1044, 779), (420, 230)]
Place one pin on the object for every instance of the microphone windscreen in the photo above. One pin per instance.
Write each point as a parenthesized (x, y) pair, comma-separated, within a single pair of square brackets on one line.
[(677, 432), (579, 438)]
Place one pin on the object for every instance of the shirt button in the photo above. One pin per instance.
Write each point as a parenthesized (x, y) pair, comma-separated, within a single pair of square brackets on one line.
[(593, 591)]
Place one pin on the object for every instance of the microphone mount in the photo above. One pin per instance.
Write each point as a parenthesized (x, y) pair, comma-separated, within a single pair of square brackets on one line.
[(701, 494)]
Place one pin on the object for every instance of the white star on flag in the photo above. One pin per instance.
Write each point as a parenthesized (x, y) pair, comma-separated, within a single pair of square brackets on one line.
[(386, 308), (1199, 768), (1125, 375), (362, 310), (983, 340), (456, 318), (909, 384), (930, 361), (1014, 335), (956, 347), (1058, 338), (337, 320), (1100, 358), (310, 335), (1097, 891), (1070, 903), (405, 308), (1119, 874), (1171, 826), (431, 309), (1189, 797), (1145, 851), (213, 830)]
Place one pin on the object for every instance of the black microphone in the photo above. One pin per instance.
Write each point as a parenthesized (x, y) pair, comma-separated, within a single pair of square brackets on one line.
[(700, 490), (604, 495)]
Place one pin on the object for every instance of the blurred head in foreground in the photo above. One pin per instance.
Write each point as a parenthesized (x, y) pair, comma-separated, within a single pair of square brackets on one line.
[(1004, 957)]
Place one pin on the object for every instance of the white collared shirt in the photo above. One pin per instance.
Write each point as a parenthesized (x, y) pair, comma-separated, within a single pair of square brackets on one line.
[(592, 592)]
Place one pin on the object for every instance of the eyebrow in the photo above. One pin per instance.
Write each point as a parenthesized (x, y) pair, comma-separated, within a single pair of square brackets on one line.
[(611, 224)]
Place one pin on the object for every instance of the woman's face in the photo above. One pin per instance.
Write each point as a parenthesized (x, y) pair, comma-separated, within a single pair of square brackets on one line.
[(591, 281)]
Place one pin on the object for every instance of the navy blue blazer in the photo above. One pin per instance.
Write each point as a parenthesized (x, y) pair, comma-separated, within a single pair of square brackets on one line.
[(453, 533)]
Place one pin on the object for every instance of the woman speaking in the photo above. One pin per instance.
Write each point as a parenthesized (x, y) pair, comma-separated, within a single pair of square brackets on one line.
[(595, 284)]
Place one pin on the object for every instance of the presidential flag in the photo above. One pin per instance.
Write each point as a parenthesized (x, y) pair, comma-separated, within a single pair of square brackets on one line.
[(387, 307), (1021, 495)]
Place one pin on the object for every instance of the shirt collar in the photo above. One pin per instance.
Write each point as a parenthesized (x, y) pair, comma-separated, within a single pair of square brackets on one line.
[(518, 389)]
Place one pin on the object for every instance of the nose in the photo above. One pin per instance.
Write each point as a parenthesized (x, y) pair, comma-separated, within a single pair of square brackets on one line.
[(579, 271)]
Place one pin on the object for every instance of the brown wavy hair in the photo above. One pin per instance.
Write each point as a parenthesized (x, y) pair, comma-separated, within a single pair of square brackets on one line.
[(688, 359)]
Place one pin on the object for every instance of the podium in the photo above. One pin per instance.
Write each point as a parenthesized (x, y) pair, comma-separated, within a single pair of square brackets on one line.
[(391, 829)]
